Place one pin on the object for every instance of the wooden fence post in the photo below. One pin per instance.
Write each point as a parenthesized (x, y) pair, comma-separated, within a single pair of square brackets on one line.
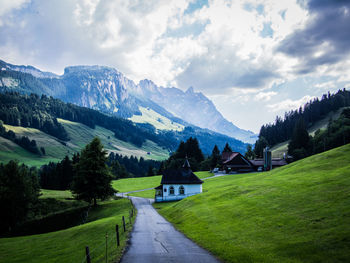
[(106, 247), (87, 251), (124, 223), (117, 232)]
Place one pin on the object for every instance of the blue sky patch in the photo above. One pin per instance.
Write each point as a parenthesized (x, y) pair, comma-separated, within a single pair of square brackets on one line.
[(267, 30), (198, 4)]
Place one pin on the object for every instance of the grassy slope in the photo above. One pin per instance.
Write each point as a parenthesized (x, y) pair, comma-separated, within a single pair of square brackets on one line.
[(158, 121), (69, 245), (80, 135), (57, 194), (297, 213), (134, 184), (279, 149)]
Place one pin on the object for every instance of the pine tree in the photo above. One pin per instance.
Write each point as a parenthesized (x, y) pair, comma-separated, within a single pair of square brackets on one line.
[(300, 144), (249, 154), (92, 179), (215, 157), (260, 144), (150, 171), (161, 169), (227, 148), (19, 191)]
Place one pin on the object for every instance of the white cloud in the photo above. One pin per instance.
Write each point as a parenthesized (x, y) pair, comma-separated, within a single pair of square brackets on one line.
[(218, 48), (265, 96), (289, 104), (9, 5)]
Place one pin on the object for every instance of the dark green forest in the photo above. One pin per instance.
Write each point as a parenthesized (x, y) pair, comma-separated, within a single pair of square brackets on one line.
[(295, 124), (282, 129)]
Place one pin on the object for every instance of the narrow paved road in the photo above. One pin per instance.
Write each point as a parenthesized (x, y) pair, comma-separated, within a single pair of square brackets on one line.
[(155, 240)]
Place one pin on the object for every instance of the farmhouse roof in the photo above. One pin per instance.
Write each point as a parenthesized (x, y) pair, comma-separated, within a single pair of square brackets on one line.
[(180, 176), (229, 156)]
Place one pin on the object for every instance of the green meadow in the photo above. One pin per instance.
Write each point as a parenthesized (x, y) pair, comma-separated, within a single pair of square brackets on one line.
[(69, 245), (296, 213), (134, 184)]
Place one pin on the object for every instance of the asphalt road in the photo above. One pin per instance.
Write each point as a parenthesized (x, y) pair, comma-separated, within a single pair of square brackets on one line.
[(154, 239)]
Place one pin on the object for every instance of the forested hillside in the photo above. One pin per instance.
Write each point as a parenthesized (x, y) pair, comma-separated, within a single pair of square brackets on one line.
[(41, 112), (282, 129)]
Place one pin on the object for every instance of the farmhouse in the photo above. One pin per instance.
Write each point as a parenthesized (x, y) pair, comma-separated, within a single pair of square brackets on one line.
[(178, 184), (236, 162)]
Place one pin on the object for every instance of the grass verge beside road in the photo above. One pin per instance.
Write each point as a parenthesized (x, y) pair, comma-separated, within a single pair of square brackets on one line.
[(69, 245)]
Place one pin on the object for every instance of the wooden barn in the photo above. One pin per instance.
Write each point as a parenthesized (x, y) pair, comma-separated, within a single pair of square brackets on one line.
[(236, 162)]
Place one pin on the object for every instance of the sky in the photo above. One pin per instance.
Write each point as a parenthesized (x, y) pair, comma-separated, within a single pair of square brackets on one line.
[(254, 59)]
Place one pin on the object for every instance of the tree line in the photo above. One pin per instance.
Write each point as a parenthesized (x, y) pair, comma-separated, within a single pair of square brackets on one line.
[(87, 176), (301, 144), (336, 134), (198, 161), (124, 166), (282, 129)]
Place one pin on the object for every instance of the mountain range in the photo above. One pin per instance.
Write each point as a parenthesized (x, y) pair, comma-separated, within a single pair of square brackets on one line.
[(108, 90)]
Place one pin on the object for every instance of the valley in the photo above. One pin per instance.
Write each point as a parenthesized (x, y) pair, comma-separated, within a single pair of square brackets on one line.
[(189, 131), (80, 135)]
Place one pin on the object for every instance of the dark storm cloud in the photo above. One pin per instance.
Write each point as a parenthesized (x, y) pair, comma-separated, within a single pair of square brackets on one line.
[(326, 38)]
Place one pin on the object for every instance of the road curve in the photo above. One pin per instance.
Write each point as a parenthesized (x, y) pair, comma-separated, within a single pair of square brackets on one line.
[(154, 239)]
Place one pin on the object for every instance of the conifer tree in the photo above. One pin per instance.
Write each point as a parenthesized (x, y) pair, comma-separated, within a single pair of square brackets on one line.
[(92, 179), (227, 148), (215, 157), (249, 154), (150, 171), (299, 146), (19, 191)]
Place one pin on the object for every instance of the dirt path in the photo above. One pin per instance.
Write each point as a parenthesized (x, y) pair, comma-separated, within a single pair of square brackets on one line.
[(155, 240)]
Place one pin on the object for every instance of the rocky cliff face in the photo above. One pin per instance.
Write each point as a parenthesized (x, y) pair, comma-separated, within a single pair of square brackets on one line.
[(193, 107), (101, 88), (106, 89)]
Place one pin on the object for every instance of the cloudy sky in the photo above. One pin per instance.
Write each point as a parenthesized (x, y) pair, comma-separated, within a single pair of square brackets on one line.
[(254, 59)]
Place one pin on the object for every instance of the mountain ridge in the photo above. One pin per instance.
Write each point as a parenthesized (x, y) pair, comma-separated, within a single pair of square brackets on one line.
[(106, 89)]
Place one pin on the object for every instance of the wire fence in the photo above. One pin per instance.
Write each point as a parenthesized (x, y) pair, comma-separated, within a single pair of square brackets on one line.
[(108, 250)]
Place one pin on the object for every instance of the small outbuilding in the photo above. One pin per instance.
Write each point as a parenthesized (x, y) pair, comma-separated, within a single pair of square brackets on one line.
[(178, 184)]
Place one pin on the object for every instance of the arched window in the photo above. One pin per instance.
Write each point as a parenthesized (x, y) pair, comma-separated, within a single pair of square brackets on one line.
[(182, 190), (171, 190)]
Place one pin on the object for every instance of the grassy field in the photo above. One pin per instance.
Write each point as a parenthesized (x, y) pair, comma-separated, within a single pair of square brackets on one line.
[(69, 245), (158, 121), (79, 135), (57, 194), (134, 184), (296, 213)]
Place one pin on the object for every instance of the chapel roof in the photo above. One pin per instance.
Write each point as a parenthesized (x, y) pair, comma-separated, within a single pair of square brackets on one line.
[(180, 176)]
